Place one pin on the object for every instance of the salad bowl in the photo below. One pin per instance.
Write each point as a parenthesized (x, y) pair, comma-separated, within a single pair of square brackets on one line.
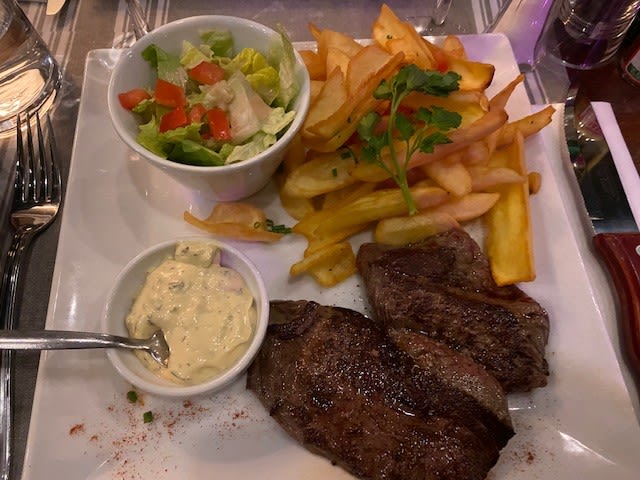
[(211, 171)]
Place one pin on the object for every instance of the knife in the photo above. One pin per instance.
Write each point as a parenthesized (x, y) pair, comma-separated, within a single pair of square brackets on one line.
[(54, 6), (615, 232)]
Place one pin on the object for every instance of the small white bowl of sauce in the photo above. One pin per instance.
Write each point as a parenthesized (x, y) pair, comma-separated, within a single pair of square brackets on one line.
[(211, 304)]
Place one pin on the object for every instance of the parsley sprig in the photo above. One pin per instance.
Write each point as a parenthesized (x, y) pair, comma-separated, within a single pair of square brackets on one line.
[(421, 130)]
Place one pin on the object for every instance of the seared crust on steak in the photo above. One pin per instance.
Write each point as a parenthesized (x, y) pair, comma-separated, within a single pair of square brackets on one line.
[(341, 387), (443, 287)]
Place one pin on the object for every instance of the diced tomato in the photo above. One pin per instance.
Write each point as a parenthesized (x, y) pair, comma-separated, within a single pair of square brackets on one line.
[(133, 97), (219, 124), (174, 119), (207, 73), (196, 113), (169, 95), (442, 65)]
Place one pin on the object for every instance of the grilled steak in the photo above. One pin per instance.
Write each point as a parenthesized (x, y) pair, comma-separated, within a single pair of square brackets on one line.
[(339, 385), (443, 287)]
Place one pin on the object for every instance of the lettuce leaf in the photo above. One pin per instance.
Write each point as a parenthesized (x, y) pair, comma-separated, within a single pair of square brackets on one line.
[(281, 53), (193, 153), (167, 66), (161, 144), (191, 56), (258, 144), (262, 77), (247, 111), (277, 120), (219, 41)]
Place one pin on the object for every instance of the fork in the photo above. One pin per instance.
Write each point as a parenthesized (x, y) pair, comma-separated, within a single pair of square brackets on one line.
[(36, 201)]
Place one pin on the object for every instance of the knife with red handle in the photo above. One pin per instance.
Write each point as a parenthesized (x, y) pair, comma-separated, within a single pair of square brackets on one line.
[(620, 252), (616, 238)]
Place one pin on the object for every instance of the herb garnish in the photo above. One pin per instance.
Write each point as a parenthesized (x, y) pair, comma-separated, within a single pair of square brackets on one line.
[(132, 396), (421, 130), (271, 226), (147, 417)]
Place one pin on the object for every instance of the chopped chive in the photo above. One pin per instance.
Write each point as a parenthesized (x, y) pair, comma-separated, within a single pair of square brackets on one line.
[(132, 396), (147, 417), (334, 172), (279, 228)]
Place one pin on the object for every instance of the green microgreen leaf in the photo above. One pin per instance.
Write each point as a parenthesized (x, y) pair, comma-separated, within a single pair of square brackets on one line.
[(404, 126), (428, 143)]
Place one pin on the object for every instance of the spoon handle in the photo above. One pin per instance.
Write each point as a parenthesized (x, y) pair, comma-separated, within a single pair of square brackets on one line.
[(62, 340)]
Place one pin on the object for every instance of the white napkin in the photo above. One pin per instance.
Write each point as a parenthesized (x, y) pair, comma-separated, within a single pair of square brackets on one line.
[(621, 157)]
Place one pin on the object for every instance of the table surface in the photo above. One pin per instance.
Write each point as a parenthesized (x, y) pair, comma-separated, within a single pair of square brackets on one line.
[(84, 25)]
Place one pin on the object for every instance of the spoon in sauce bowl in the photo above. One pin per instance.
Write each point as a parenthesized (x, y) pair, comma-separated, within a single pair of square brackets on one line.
[(155, 345)]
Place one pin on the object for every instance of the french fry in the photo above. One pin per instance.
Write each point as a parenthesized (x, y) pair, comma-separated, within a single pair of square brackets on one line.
[(502, 97), (450, 174), (468, 207), (297, 207), (454, 47), (526, 125), (463, 137), (322, 173), (380, 204), (397, 36), (315, 65), (477, 153), (475, 102), (318, 242), (509, 237), (329, 265), (308, 225), (236, 220), (473, 75), (535, 182), (328, 101), (365, 72), (330, 39), (484, 178), (315, 31), (387, 27), (315, 89), (406, 230), (334, 193), (460, 138), (414, 49), (294, 156), (336, 198), (336, 58)]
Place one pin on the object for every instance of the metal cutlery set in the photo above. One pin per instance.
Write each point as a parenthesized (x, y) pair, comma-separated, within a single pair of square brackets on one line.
[(36, 201)]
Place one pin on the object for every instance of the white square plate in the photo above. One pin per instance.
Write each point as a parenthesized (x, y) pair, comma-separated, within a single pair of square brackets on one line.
[(581, 426)]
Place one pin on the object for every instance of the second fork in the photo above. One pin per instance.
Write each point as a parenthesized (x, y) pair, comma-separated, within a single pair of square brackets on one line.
[(36, 201)]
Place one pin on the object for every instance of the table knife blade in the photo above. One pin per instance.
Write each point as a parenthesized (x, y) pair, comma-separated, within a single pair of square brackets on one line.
[(614, 230), (54, 6)]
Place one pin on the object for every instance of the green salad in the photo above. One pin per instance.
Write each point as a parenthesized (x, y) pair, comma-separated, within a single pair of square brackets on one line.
[(211, 106)]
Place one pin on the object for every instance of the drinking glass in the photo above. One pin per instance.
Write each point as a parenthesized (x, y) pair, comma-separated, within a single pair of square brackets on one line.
[(585, 34), (521, 21), (435, 12), (29, 75)]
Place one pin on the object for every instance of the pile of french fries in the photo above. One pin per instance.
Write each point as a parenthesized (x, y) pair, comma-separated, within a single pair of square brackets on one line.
[(481, 173)]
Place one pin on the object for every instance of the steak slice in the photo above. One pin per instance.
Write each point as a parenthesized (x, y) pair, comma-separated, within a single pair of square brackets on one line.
[(443, 287), (341, 387)]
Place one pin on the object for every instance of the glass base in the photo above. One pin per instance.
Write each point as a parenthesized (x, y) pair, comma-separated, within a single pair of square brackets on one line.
[(32, 88)]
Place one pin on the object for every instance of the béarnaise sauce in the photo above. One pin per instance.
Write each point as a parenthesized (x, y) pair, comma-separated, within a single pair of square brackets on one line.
[(205, 310)]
